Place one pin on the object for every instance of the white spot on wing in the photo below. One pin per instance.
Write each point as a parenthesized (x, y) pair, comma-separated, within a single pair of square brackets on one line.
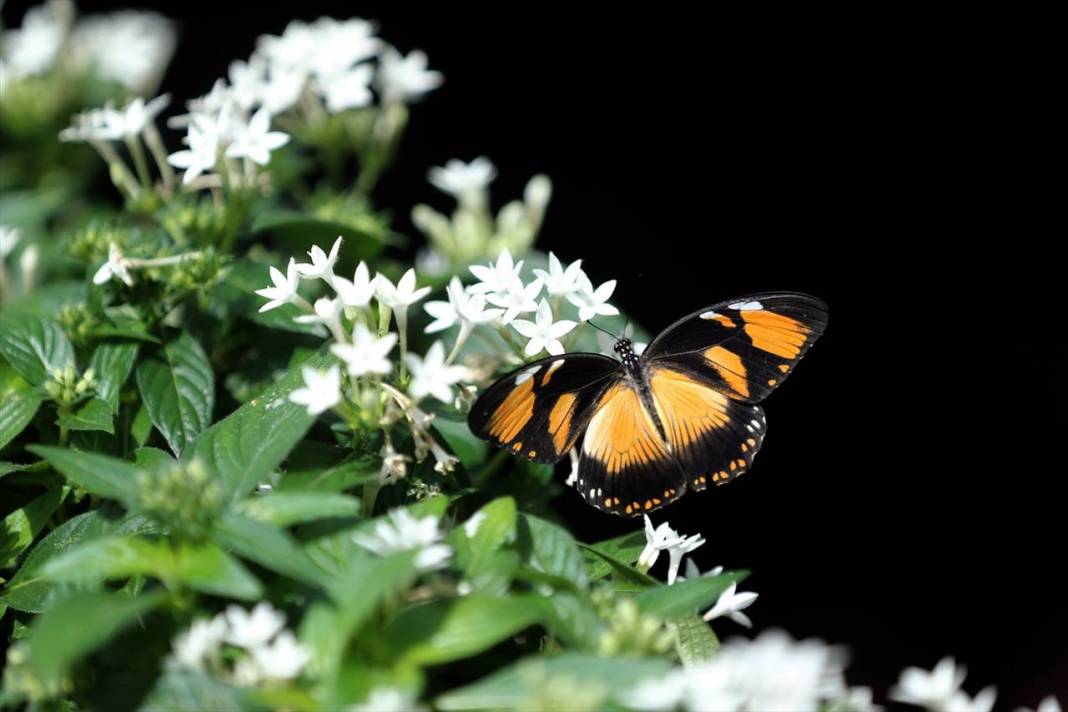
[(756, 423), (745, 306), (526, 375), (709, 315), (554, 366)]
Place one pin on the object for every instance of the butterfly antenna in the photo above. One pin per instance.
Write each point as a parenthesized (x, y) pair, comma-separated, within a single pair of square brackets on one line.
[(605, 331)]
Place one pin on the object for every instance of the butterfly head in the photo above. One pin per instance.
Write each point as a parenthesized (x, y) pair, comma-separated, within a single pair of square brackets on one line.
[(625, 349)]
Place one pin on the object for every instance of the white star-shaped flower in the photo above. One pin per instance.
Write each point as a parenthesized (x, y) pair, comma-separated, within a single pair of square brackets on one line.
[(358, 292), (340, 44), (405, 78), (251, 629), (32, 48), (94, 125), (498, 276), (467, 182), (933, 690), (731, 604), (983, 702), (255, 141), (136, 115), (321, 391), (247, 80), (322, 264), (592, 302), (9, 237), (114, 267), (560, 281), (401, 531), (677, 551), (282, 89), (347, 89), (693, 573), (282, 659), (327, 313), (430, 375), (462, 307), (284, 289), (543, 332), (401, 295), (656, 540), (202, 154), (367, 353), (200, 642), (516, 299)]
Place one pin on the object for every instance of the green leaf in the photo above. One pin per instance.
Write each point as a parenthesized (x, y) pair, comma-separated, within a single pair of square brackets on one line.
[(685, 597), (268, 546), (178, 388), (35, 346), (315, 467), (141, 427), (480, 538), (298, 232), (185, 690), (6, 468), (20, 401), (21, 527), (78, 625), (624, 549), (112, 363), (284, 509), (246, 446), (153, 459), (447, 630), (99, 474), (464, 444), (551, 549), (511, 687), (29, 590), (571, 618), (94, 414), (626, 572), (695, 642), (205, 568), (236, 293)]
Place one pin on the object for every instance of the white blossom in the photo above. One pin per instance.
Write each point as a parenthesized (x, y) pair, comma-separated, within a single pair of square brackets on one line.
[(693, 573), (340, 44), (252, 629), (255, 141), (191, 648), (282, 659), (103, 124), (247, 81), (132, 119), (516, 299), (592, 302), (347, 89), (357, 292), (32, 48), (462, 306), (202, 154), (983, 702), (543, 333), (658, 694), (403, 294), (558, 280), (115, 267), (467, 182), (496, 277), (656, 540), (9, 237), (401, 531), (430, 375), (405, 79), (282, 89), (731, 604), (367, 352), (322, 264), (321, 391), (933, 690), (285, 287), (327, 312), (131, 47), (1048, 703), (677, 551)]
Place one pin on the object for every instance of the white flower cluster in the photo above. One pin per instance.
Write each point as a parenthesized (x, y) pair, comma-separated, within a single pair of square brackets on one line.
[(401, 531), (268, 650), (770, 673), (940, 689), (131, 48), (310, 66)]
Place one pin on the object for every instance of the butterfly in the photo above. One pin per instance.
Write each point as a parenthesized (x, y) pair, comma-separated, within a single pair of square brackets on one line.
[(681, 416)]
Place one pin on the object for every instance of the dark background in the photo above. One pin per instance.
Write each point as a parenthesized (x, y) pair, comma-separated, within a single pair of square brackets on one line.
[(909, 500)]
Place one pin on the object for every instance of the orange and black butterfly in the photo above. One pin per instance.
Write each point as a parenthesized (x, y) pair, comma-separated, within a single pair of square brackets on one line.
[(682, 415)]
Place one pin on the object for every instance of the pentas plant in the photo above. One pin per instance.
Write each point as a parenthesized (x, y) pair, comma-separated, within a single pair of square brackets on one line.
[(235, 466)]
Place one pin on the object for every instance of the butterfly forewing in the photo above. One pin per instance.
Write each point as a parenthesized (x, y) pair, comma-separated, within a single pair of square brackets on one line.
[(539, 410), (744, 347)]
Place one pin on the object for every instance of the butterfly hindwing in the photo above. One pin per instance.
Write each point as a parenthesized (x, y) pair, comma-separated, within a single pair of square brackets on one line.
[(539, 410), (625, 466), (713, 437), (745, 347)]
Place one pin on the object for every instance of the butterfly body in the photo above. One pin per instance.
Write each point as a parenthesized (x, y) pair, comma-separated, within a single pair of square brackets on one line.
[(682, 415)]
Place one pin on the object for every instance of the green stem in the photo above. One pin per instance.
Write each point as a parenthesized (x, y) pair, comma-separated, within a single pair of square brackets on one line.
[(370, 494), (490, 468), (140, 162)]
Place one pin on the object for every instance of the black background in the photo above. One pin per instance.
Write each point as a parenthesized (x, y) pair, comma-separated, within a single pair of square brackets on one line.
[(908, 502)]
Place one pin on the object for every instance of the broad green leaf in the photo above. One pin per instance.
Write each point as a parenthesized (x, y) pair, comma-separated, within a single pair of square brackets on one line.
[(694, 640), (21, 527), (247, 445), (35, 346), (237, 294), (685, 597), (188, 690), (78, 625), (29, 590), (112, 363), (478, 540), (268, 546), (550, 548), (178, 388), (205, 567), (625, 549), (316, 467), (452, 629), (635, 579), (298, 232), (94, 414), (516, 684), (141, 427), (464, 444), (98, 474), (20, 403), (6, 468), (571, 617), (283, 509), (152, 459)]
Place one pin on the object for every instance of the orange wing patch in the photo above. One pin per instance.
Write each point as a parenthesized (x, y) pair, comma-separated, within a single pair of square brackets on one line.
[(730, 368), (513, 413), (687, 408), (622, 435), (775, 333), (560, 421)]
